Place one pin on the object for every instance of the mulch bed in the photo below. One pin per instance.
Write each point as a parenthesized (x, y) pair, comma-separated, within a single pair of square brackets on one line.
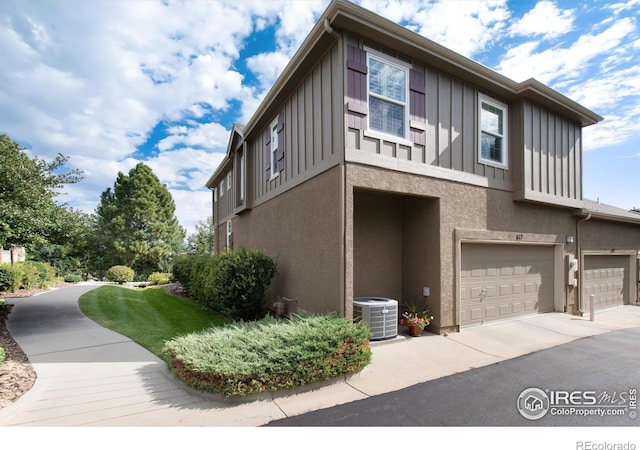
[(16, 373)]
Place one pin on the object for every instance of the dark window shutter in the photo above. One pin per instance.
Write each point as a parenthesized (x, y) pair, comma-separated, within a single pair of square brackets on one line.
[(357, 108), (267, 151), (417, 106), (281, 149)]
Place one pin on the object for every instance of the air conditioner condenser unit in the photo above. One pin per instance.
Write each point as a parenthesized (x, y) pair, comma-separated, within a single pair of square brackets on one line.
[(379, 314)]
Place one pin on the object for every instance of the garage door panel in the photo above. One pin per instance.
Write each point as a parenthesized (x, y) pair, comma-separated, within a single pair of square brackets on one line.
[(604, 278), (505, 281)]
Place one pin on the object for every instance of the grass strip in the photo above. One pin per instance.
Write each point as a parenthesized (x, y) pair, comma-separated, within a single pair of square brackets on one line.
[(147, 316)]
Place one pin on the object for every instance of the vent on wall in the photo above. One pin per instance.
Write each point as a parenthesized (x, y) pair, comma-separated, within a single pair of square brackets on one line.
[(379, 314)]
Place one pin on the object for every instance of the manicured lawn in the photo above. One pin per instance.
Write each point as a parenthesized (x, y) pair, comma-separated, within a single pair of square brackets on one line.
[(148, 316)]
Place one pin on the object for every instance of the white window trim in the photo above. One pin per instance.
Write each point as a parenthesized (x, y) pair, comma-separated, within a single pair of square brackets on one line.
[(221, 189), (229, 233), (405, 67), (505, 118), (242, 176), (273, 150)]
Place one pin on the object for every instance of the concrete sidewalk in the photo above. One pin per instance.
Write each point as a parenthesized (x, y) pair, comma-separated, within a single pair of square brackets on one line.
[(91, 376)]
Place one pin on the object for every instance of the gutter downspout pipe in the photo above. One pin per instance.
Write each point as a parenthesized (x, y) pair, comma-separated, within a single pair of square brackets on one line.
[(580, 312), (330, 30)]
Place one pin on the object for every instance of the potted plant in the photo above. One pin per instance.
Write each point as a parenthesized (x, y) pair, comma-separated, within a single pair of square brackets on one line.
[(416, 319)]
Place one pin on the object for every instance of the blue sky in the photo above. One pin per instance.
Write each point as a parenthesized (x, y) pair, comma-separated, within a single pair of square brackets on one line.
[(113, 83)]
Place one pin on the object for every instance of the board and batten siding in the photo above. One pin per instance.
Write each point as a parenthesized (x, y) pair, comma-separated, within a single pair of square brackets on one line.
[(224, 200), (548, 157), (443, 115), (311, 120)]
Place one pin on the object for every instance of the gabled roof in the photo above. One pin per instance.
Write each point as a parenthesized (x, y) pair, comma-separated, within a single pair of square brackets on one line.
[(235, 139)]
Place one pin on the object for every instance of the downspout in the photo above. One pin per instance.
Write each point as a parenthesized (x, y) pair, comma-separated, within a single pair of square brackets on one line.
[(331, 31), (214, 219), (580, 312), (343, 181)]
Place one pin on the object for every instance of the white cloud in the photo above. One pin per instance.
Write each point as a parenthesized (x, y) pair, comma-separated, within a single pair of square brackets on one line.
[(268, 66), (550, 64), (544, 19), (209, 135), (467, 27)]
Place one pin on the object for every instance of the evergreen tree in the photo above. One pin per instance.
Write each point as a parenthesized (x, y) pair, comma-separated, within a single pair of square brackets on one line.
[(200, 242), (136, 225)]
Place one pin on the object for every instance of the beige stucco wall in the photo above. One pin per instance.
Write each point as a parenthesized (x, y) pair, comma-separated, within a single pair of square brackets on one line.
[(450, 213), (302, 228)]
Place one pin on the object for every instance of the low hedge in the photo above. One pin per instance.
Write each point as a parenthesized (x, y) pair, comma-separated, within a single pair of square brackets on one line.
[(271, 354), (3, 355)]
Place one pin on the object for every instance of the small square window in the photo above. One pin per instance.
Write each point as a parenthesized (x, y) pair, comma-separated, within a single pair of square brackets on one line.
[(492, 138)]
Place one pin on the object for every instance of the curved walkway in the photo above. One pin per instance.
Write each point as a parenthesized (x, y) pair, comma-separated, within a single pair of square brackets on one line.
[(91, 376)]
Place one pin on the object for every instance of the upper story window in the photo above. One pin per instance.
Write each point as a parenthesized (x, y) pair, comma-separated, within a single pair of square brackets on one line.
[(387, 96), (221, 188), (229, 181), (492, 132), (273, 151)]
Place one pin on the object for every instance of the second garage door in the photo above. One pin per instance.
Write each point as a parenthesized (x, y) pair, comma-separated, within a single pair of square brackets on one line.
[(604, 278), (503, 281)]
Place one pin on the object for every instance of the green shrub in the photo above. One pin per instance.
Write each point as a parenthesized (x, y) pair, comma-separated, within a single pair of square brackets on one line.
[(240, 280), (7, 276), (159, 278), (3, 355), (120, 274), (30, 275), (270, 354), (72, 278), (46, 273), (232, 283)]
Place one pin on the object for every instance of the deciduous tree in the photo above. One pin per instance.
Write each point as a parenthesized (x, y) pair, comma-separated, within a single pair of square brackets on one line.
[(28, 189)]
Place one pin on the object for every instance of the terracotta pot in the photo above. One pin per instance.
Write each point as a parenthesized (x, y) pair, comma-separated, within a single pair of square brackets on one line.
[(415, 330)]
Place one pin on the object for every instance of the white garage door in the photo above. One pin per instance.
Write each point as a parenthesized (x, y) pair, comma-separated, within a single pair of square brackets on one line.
[(604, 278), (503, 281)]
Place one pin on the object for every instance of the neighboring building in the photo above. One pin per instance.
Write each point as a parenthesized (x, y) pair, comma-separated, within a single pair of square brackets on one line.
[(381, 163), (12, 255)]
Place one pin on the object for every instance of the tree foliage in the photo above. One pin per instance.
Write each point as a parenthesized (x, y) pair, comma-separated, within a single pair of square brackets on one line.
[(136, 224), (200, 242), (28, 188), (73, 255)]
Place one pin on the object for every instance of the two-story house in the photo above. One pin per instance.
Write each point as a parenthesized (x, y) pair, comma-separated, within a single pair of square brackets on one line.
[(381, 163)]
